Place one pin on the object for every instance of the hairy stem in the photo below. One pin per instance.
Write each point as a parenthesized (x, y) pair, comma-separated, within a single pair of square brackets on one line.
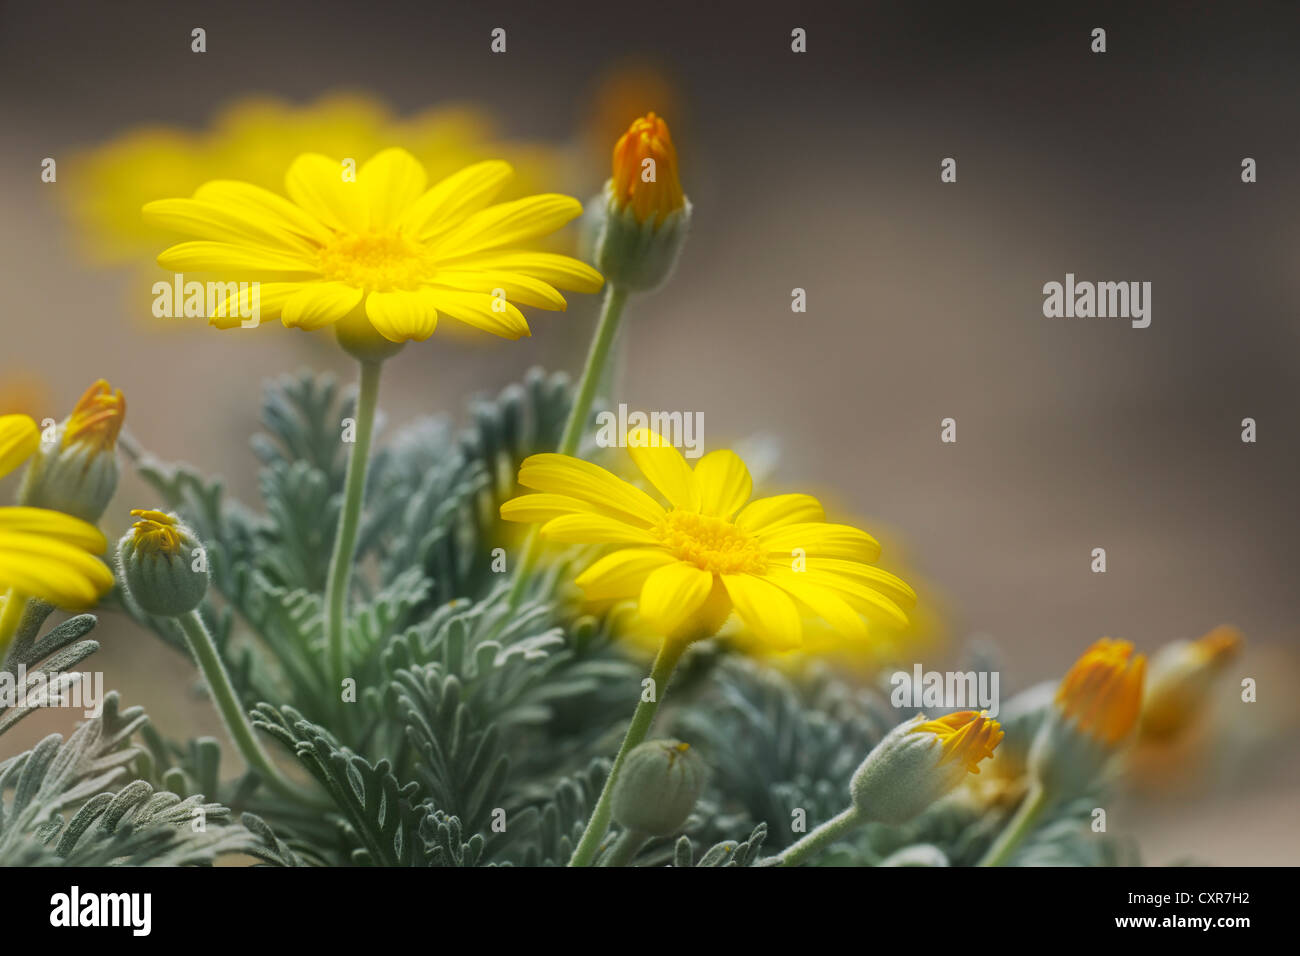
[(830, 831), (666, 661), (1018, 828), (628, 845), (345, 541), (236, 721), (611, 316)]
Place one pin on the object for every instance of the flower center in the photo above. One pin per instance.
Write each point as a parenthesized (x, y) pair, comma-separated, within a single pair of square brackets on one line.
[(711, 544), (375, 262)]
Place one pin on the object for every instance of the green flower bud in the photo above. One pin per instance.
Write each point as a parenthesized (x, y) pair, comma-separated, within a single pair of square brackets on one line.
[(920, 761), (77, 472), (657, 787), (162, 565)]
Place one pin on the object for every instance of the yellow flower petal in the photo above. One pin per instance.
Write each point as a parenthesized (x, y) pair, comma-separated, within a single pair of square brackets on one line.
[(565, 475), (665, 468), (262, 204), (766, 610), (316, 183), (19, 437), (852, 575), (402, 316), (543, 507), (595, 529), (819, 539), (476, 309), (41, 522), (672, 594), (318, 304), (823, 601), (517, 288), (509, 222), (393, 180), (222, 222), (47, 555), (622, 573), (763, 514), (271, 297), (206, 256), (724, 482), (563, 272), (455, 198)]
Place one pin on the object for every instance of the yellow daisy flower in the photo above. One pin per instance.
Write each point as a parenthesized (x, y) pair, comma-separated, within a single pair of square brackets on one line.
[(43, 554), (775, 561), (379, 245), (254, 139)]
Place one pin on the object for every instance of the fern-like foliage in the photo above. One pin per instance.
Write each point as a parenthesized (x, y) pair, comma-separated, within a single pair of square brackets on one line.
[(469, 732)]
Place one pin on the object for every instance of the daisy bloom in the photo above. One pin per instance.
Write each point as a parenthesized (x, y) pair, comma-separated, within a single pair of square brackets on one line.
[(710, 550), (43, 554), (378, 247), (254, 139)]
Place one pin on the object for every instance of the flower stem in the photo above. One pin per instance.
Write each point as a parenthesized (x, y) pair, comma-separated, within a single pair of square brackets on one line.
[(1018, 828), (628, 845), (670, 653), (834, 828), (611, 316), (237, 723), (345, 540)]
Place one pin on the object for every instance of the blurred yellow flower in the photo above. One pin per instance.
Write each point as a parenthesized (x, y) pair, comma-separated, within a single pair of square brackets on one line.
[(254, 140), (19, 437), (630, 88), (22, 393), (378, 246), (1182, 673), (774, 561), (43, 554)]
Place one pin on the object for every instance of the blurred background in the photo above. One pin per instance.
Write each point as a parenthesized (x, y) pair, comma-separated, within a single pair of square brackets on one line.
[(818, 171)]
